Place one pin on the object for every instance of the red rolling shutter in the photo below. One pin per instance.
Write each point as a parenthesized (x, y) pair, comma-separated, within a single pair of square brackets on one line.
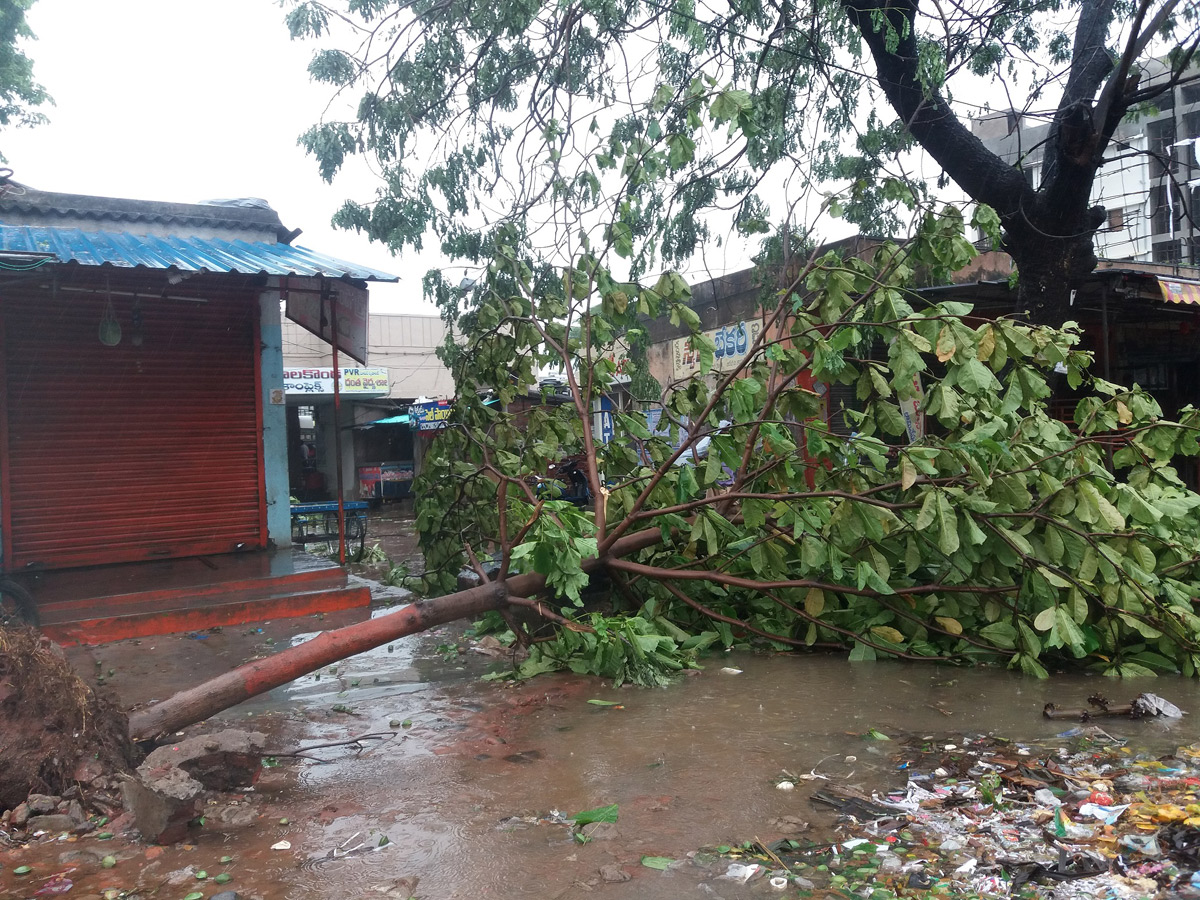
[(131, 452)]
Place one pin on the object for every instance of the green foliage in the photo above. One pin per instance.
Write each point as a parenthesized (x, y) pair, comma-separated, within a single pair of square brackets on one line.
[(1001, 535), (657, 129), (627, 649), (19, 93), (998, 535)]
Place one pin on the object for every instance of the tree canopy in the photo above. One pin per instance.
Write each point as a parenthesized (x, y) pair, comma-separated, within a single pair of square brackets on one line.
[(19, 92), (562, 117)]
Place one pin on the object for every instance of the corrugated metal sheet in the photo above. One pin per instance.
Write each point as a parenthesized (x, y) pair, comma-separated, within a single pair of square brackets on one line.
[(123, 250), (132, 452)]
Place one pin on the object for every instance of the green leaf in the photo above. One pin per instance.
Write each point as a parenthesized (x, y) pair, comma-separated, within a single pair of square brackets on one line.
[(599, 814), (1044, 620), (657, 862), (604, 703), (1001, 634)]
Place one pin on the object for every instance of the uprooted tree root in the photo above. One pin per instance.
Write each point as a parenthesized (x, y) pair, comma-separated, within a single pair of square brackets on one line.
[(53, 726)]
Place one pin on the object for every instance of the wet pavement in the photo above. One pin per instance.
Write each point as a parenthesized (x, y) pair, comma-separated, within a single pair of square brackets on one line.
[(454, 798)]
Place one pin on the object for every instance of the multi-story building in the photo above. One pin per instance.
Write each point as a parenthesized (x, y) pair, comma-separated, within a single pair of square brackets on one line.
[(1149, 182)]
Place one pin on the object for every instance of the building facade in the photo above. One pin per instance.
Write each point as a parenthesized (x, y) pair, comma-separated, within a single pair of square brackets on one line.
[(380, 444), (1149, 182)]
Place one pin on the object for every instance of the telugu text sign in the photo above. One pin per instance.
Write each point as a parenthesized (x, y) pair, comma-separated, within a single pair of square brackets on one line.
[(359, 381), (732, 342), (430, 416)]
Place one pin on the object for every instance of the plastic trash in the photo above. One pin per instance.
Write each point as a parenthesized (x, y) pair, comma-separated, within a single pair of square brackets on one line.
[(779, 883), (1046, 797), (1154, 705), (1065, 828), (1106, 814), (741, 873), (1145, 844)]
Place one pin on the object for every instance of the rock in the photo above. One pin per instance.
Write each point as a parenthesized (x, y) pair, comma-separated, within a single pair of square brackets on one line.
[(89, 771), (75, 811), (599, 831), (225, 895), (163, 802), (42, 804), (235, 815), (221, 762), (20, 815), (56, 823), (81, 857), (614, 874)]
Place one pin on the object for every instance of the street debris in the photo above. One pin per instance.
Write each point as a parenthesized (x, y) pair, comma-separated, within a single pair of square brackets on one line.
[(1143, 706), (1077, 817)]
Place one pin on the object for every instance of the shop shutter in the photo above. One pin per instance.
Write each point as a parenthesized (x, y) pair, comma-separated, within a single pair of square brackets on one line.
[(137, 451)]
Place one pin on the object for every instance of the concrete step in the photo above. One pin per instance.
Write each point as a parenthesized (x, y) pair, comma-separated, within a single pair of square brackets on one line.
[(113, 621)]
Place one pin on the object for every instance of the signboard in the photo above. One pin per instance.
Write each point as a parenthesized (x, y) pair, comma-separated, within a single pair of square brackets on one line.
[(311, 310), (733, 343), (430, 416), (914, 415), (358, 381), (618, 355)]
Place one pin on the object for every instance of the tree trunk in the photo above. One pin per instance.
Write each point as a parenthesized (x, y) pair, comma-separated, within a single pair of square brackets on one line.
[(1051, 265), (257, 677)]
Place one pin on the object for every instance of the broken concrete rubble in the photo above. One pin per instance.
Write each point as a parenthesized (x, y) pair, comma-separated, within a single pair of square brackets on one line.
[(221, 761), (167, 790), (162, 802)]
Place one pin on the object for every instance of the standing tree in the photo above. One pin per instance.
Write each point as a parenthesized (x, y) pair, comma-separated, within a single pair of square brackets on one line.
[(479, 112)]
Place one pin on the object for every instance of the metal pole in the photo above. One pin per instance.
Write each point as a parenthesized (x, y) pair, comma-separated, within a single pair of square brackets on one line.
[(1104, 330), (337, 424)]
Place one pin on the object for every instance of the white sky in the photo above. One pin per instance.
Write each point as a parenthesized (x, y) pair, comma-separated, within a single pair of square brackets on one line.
[(184, 101), (190, 101)]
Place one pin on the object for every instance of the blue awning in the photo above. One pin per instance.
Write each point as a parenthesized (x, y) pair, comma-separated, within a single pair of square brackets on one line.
[(122, 249)]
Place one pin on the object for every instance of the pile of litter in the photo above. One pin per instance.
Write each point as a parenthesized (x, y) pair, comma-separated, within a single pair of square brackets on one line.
[(1077, 817)]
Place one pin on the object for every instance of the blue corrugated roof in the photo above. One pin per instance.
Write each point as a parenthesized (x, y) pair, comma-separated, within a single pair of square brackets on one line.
[(188, 254)]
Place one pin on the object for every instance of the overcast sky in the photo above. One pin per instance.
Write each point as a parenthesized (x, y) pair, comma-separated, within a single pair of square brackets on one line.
[(190, 101)]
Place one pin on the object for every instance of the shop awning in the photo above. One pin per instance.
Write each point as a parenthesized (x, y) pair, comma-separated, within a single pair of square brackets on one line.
[(402, 419), (1177, 290)]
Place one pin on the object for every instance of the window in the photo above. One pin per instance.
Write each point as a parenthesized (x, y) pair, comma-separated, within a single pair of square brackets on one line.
[(1160, 212), (1161, 136), (1167, 252), (1116, 220)]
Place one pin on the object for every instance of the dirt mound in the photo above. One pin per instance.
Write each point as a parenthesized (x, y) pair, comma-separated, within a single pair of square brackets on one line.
[(52, 725)]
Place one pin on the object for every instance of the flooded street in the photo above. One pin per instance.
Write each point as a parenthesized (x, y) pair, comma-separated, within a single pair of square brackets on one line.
[(452, 802), (459, 787)]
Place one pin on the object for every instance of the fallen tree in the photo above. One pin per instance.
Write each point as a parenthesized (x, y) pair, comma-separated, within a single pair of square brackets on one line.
[(1000, 535)]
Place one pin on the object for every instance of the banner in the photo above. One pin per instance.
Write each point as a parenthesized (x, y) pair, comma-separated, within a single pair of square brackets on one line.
[(430, 416)]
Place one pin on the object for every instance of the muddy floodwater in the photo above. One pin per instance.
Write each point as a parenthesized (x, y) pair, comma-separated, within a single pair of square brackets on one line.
[(454, 804)]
